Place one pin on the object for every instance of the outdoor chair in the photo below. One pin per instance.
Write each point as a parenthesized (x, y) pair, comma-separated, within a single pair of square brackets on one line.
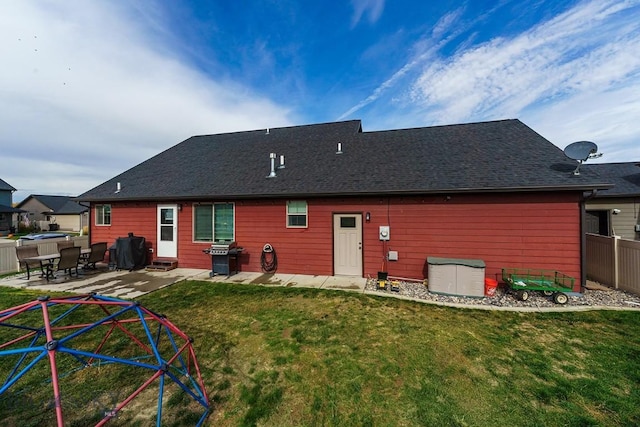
[(65, 244), (69, 259), (23, 252), (96, 255)]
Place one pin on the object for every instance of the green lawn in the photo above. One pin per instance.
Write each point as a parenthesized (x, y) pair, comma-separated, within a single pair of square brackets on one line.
[(275, 356)]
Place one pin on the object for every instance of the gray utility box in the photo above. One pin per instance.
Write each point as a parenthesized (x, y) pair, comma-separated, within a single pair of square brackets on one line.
[(456, 276)]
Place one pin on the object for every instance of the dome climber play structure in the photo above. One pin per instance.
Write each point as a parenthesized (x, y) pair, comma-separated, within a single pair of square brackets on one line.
[(95, 360)]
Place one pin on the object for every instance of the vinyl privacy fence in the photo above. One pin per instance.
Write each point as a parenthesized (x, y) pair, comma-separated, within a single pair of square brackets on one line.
[(614, 262), (9, 261)]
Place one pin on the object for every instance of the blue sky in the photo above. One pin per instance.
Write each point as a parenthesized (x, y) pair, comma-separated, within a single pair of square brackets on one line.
[(89, 89)]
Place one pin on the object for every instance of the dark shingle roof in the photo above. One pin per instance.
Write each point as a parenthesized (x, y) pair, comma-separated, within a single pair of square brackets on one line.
[(624, 176), (501, 155), (60, 205), (9, 209), (5, 186)]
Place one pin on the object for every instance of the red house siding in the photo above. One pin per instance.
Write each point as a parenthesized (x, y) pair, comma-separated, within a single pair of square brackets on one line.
[(508, 230), (137, 218)]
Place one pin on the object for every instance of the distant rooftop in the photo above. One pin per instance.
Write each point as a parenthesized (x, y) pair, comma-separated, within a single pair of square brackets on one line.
[(624, 176)]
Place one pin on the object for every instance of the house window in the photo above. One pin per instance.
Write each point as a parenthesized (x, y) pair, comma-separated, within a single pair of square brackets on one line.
[(203, 223), (103, 214), (213, 222), (223, 222), (296, 213)]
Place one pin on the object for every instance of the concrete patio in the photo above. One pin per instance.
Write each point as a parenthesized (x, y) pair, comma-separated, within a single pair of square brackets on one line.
[(132, 284), (343, 283)]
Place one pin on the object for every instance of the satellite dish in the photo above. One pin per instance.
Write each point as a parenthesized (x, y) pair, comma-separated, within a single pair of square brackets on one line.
[(581, 151)]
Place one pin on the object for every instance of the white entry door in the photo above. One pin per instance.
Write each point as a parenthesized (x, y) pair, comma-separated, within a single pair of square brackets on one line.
[(347, 244), (167, 231)]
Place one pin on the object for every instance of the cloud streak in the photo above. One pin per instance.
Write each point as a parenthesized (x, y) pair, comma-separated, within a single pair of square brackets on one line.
[(425, 49), (576, 52), (370, 8), (565, 76)]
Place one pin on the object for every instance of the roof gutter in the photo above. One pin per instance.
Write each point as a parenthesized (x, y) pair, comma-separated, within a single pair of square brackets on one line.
[(592, 194), (412, 192)]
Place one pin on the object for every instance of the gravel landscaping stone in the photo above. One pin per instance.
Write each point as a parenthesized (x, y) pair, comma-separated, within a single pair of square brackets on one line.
[(599, 297)]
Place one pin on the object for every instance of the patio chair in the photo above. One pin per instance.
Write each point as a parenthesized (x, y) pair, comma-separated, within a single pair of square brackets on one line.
[(68, 261), (23, 252), (65, 244), (96, 255)]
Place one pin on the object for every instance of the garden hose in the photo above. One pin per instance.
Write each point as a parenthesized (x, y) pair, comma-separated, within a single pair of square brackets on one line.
[(269, 259)]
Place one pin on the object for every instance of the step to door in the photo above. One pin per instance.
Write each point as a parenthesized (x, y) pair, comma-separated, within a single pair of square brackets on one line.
[(162, 265)]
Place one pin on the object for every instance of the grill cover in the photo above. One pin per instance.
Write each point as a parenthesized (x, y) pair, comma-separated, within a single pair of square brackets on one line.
[(131, 253)]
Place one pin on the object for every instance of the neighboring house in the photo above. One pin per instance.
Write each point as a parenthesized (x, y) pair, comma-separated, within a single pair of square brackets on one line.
[(495, 191), (56, 212), (615, 211), (7, 211)]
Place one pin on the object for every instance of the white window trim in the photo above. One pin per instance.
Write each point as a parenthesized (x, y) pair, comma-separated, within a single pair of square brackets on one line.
[(306, 214), (96, 215)]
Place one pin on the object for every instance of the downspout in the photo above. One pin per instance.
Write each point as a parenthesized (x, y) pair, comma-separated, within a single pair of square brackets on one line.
[(583, 238)]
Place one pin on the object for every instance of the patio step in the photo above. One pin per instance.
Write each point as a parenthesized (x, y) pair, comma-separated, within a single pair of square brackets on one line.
[(163, 264)]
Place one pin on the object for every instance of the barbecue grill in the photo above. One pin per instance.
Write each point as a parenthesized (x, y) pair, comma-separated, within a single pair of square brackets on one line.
[(223, 256)]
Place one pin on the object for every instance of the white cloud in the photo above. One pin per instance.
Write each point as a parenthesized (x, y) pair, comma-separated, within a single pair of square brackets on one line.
[(578, 72), (85, 93), (446, 23), (610, 119), (371, 8)]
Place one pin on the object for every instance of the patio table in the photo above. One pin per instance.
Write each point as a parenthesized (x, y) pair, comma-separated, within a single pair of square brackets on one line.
[(49, 259)]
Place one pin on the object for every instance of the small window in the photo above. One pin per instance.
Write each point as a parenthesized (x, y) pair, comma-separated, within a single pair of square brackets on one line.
[(297, 214), (103, 214), (348, 222)]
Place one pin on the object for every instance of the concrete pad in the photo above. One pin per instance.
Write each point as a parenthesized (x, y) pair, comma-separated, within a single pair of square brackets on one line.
[(345, 283), (267, 279), (295, 280), (240, 278), (305, 281), (116, 283), (132, 284)]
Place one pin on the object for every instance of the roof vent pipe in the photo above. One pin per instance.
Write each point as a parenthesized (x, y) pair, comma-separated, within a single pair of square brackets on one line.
[(339, 149), (267, 131), (118, 187), (272, 156), (281, 162)]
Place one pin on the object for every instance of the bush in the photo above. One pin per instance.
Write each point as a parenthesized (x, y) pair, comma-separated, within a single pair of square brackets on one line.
[(31, 228)]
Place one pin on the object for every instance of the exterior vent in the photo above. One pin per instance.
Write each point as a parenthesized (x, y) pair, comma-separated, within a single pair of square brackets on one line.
[(272, 156), (281, 162), (339, 149), (118, 188)]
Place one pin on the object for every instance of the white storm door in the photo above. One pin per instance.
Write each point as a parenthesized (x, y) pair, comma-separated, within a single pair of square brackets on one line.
[(167, 231), (347, 244)]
